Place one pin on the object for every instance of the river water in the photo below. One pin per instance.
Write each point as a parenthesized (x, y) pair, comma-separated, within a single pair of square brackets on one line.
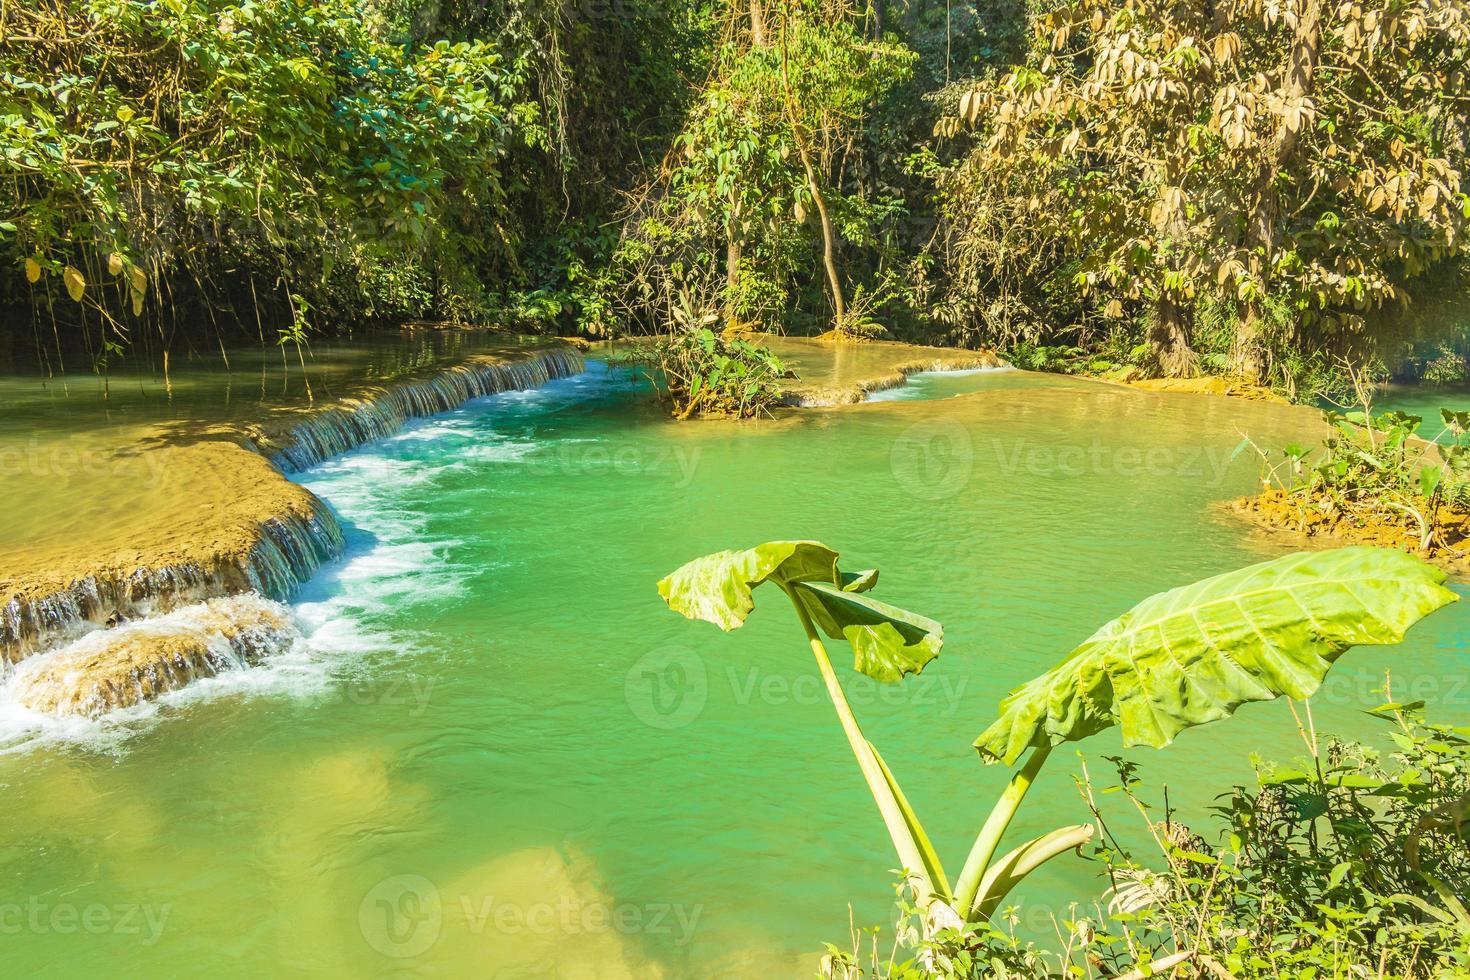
[(494, 752)]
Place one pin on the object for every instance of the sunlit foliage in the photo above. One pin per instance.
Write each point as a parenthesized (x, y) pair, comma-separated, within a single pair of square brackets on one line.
[(1297, 151)]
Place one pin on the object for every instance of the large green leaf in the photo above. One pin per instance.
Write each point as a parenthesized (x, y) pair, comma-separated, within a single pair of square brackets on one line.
[(887, 642), (717, 587), (1194, 654)]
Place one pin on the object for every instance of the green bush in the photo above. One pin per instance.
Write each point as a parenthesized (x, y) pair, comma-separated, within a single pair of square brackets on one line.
[(698, 372), (1374, 469), (1354, 862), (290, 143)]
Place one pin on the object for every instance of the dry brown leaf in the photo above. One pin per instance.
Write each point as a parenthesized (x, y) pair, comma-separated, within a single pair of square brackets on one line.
[(76, 285)]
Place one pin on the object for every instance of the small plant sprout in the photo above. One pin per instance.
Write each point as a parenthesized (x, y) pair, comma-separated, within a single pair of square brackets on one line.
[(1181, 658)]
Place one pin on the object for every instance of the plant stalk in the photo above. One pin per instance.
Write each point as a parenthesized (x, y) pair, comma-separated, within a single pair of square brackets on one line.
[(968, 885), (926, 887)]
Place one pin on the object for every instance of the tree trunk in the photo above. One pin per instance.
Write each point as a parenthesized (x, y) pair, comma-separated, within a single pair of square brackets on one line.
[(1169, 339), (732, 223), (1248, 351), (1248, 354), (732, 257), (829, 234)]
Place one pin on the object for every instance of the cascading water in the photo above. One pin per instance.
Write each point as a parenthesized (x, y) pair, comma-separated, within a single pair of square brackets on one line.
[(288, 550), (382, 413), (54, 651), (137, 662)]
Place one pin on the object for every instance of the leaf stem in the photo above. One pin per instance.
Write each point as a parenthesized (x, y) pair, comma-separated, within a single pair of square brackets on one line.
[(968, 885), (930, 882)]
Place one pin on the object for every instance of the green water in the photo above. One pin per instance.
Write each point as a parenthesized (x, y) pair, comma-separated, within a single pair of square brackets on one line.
[(495, 753), (70, 460), (1424, 401)]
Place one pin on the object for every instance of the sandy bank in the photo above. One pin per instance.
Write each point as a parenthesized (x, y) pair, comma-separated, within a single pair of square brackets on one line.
[(194, 511), (1212, 385)]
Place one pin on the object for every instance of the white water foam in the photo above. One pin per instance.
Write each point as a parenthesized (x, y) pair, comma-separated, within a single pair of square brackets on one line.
[(438, 427), (393, 560), (909, 391), (22, 728), (391, 563)]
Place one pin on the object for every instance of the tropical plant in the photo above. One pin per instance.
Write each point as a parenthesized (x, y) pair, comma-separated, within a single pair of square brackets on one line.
[(1350, 862), (698, 372), (1373, 469), (1447, 366), (1348, 857), (1182, 658)]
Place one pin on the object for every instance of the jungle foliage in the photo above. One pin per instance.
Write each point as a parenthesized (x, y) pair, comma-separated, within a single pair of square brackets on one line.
[(761, 169), (1297, 163), (1268, 188), (279, 165), (284, 145)]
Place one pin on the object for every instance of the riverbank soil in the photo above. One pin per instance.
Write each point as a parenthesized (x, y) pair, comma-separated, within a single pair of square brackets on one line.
[(1213, 385), (1280, 512)]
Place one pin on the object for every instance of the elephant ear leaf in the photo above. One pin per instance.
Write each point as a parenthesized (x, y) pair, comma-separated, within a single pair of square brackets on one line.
[(887, 642), (1194, 654), (717, 588)]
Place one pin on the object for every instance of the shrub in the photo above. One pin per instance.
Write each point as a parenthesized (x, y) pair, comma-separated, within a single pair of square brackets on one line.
[(1372, 471), (1351, 863), (698, 372)]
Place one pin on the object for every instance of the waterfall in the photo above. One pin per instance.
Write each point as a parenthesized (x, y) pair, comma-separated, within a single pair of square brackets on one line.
[(137, 662), (383, 411), (175, 623), (826, 395), (288, 550)]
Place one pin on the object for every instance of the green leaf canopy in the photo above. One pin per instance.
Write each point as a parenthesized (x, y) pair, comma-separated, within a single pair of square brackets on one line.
[(887, 642), (717, 587), (1194, 654)]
